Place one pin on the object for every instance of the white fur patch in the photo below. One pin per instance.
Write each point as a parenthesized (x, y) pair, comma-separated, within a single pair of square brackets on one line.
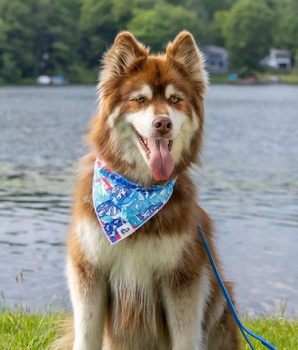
[(178, 118), (135, 262), (88, 313), (130, 147), (183, 130), (112, 118), (142, 121), (145, 91), (126, 142), (190, 308), (171, 90)]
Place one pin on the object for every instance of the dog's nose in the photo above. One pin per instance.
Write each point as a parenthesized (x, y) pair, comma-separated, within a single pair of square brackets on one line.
[(162, 124)]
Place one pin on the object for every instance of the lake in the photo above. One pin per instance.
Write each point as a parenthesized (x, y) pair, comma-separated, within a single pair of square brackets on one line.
[(248, 184)]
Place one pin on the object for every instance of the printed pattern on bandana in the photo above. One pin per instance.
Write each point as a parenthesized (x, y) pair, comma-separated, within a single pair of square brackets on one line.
[(122, 206)]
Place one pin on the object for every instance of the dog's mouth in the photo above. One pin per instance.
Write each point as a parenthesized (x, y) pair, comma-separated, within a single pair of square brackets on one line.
[(144, 143), (158, 154)]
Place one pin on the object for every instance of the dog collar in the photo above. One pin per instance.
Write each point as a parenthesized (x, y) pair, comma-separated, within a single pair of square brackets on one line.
[(122, 206)]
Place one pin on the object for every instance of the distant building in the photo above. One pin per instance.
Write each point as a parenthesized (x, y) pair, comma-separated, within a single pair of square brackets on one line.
[(216, 58), (278, 59)]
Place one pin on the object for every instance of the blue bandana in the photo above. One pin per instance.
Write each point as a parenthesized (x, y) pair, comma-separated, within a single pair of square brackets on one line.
[(122, 206)]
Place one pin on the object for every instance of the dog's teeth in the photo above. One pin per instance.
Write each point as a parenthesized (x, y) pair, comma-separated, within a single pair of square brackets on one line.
[(144, 143)]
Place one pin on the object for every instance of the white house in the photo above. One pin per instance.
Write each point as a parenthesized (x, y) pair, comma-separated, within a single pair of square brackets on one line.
[(216, 58), (278, 59)]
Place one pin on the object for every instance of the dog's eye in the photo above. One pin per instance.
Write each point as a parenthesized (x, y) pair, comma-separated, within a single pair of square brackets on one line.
[(140, 99), (175, 99)]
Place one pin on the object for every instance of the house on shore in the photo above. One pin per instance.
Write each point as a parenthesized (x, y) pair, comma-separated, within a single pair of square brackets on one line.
[(216, 58), (278, 59)]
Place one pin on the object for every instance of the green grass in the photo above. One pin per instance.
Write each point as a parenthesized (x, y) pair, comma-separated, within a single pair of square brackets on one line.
[(279, 331), (25, 330), (285, 78), (219, 78), (21, 330)]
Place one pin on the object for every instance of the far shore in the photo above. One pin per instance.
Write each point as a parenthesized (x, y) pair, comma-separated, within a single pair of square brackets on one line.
[(261, 79)]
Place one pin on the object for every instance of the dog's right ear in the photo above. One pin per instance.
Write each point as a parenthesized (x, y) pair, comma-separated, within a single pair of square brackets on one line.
[(125, 52)]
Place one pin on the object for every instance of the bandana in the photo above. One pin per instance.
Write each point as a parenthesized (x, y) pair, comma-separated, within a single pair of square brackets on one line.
[(122, 206)]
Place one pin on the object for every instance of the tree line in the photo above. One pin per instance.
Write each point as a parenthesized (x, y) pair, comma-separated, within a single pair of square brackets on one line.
[(68, 37)]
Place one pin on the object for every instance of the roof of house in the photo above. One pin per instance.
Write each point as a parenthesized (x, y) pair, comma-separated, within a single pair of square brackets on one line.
[(214, 50), (279, 52)]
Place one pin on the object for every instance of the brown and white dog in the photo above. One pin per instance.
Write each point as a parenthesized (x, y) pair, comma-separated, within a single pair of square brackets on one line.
[(155, 290)]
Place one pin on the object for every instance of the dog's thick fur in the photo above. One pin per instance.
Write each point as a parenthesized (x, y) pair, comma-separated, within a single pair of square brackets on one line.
[(155, 290)]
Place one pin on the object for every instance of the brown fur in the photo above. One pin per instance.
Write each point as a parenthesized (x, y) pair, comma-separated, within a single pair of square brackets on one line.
[(126, 66)]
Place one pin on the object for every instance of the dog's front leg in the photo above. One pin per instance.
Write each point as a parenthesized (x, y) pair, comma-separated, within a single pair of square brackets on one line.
[(185, 296), (88, 292)]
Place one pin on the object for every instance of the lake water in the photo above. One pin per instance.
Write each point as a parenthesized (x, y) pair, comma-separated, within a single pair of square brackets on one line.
[(248, 184)]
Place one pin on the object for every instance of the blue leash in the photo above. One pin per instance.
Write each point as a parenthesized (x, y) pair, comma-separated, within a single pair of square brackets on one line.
[(242, 328)]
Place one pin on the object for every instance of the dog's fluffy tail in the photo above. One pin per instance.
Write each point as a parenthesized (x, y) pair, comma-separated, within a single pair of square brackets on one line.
[(66, 331)]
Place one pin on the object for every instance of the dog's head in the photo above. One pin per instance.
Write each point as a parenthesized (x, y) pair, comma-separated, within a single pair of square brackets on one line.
[(149, 124)]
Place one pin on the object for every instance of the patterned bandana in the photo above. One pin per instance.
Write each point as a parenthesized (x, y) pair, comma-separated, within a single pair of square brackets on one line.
[(122, 206)]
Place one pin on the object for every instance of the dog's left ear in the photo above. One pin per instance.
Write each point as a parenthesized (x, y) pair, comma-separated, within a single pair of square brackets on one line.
[(184, 51), (125, 52)]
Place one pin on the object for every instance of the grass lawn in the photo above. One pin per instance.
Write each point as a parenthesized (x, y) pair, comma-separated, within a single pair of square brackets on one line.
[(25, 330)]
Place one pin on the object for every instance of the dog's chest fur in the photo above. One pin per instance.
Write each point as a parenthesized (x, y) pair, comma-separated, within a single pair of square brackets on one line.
[(133, 268), (134, 261)]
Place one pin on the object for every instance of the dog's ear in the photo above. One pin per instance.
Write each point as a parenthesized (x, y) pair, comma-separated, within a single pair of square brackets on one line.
[(125, 52), (184, 52)]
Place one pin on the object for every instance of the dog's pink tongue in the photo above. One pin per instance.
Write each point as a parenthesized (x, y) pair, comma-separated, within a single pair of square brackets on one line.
[(161, 161)]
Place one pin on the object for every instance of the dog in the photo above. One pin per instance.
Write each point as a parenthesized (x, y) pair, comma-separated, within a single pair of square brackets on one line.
[(155, 289)]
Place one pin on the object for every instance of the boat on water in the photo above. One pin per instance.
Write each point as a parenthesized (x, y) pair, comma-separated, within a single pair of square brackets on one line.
[(57, 80)]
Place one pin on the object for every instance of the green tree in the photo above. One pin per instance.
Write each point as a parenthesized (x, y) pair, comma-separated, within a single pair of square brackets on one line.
[(69, 36), (285, 28), (294, 7), (247, 33), (285, 33), (99, 24), (196, 6), (62, 35), (56, 36), (212, 6), (37, 36), (2, 46), (218, 24), (157, 26), (16, 45)]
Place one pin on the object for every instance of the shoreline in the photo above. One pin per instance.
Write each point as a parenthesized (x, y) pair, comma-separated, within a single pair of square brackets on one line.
[(262, 79), (219, 79), (210, 84)]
